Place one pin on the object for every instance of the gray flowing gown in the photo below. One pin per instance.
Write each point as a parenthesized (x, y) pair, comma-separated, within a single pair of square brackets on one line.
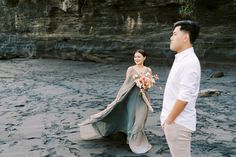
[(127, 113)]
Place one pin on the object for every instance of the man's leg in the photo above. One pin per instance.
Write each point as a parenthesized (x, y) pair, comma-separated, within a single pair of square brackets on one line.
[(178, 139)]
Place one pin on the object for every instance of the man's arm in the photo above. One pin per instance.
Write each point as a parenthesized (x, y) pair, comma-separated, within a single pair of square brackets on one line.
[(177, 109)]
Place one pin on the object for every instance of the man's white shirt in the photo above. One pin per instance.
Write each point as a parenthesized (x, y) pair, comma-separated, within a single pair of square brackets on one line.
[(183, 83)]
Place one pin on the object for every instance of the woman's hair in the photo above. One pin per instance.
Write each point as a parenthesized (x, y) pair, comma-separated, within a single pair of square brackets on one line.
[(141, 51), (191, 27)]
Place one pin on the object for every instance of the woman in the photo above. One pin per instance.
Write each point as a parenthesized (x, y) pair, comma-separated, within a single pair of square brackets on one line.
[(128, 112)]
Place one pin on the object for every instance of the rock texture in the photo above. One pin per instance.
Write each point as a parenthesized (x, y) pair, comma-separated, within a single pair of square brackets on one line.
[(110, 30)]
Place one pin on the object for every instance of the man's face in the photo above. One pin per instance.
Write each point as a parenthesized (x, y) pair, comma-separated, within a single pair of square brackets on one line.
[(177, 40)]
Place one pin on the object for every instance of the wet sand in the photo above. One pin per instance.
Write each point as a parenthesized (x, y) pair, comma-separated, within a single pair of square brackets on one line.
[(42, 101)]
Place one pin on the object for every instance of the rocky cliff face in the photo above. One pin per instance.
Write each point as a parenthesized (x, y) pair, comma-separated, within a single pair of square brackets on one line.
[(110, 30)]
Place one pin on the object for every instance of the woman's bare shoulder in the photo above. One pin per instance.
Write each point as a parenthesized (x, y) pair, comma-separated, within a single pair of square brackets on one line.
[(148, 68), (130, 68)]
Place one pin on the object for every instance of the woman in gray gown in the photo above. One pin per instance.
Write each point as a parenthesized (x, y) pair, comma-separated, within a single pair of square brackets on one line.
[(128, 112)]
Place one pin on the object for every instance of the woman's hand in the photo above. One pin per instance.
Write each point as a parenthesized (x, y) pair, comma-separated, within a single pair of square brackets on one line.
[(150, 108), (156, 77)]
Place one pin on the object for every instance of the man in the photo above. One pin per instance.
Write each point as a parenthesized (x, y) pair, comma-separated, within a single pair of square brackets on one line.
[(178, 116)]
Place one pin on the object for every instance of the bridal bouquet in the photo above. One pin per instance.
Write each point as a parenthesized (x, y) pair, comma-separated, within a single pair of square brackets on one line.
[(144, 81)]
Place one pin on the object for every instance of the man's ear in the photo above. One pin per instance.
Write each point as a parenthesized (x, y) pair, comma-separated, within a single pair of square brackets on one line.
[(186, 37)]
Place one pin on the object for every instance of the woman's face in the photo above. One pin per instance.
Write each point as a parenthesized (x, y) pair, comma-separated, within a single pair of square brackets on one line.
[(139, 58)]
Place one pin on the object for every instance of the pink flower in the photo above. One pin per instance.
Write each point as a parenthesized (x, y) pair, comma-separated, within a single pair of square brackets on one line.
[(144, 81)]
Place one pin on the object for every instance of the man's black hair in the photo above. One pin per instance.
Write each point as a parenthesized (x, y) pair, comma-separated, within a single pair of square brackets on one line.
[(191, 27)]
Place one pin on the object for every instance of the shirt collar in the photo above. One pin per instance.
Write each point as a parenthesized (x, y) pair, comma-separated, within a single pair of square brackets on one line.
[(184, 53)]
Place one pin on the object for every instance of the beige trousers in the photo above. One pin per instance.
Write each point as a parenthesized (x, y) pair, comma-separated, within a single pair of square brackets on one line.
[(178, 139)]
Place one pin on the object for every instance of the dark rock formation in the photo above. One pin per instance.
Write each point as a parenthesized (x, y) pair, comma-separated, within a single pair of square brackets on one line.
[(110, 30), (217, 74), (209, 92)]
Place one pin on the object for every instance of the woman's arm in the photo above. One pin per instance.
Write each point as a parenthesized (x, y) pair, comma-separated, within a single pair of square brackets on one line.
[(127, 73)]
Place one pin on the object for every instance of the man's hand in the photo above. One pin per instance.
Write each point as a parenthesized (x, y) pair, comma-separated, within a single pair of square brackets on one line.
[(176, 110)]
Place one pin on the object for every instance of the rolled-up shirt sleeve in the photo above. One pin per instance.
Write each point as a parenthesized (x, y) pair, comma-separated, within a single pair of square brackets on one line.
[(188, 84)]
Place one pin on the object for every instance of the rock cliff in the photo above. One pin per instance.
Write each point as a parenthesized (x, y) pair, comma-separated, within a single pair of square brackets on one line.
[(110, 30)]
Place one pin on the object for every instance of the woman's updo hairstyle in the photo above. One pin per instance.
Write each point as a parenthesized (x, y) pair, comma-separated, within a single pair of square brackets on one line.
[(141, 51)]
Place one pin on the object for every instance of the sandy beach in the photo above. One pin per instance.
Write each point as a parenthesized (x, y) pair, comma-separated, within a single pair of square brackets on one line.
[(43, 100)]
